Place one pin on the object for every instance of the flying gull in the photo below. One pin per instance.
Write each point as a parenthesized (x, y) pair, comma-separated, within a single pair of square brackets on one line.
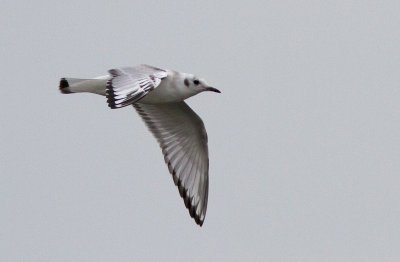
[(158, 96)]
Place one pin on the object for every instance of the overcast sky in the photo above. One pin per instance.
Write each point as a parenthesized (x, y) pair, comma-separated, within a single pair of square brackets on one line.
[(304, 139)]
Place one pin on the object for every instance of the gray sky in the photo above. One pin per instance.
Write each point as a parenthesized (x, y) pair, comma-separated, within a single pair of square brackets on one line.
[(304, 139)]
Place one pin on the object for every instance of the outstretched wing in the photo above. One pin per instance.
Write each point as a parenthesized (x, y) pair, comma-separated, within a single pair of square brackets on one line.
[(130, 84), (183, 140)]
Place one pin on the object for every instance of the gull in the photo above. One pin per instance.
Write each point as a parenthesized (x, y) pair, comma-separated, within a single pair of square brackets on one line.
[(158, 96)]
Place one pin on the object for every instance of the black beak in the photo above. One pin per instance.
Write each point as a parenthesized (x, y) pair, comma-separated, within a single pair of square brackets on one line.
[(213, 89)]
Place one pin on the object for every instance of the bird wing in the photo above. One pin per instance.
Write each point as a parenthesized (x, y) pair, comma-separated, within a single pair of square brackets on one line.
[(183, 140), (130, 84)]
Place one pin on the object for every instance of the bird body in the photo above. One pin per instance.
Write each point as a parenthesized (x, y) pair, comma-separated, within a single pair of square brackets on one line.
[(157, 95), (171, 89)]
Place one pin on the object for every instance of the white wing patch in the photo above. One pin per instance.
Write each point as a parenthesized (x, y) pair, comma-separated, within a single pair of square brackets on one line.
[(183, 140), (130, 84)]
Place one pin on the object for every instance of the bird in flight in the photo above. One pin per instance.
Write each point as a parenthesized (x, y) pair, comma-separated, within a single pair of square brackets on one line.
[(158, 96)]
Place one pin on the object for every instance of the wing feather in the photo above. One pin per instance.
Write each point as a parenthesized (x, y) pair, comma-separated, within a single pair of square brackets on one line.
[(130, 84), (183, 140)]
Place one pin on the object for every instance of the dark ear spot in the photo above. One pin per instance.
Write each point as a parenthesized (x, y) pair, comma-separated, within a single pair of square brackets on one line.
[(186, 82)]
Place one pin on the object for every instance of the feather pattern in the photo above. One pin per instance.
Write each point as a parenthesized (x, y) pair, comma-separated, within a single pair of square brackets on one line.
[(130, 84), (183, 140)]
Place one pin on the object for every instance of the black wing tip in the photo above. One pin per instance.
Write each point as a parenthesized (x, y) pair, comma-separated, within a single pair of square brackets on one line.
[(114, 103), (110, 95), (186, 199), (64, 86), (200, 223), (198, 220)]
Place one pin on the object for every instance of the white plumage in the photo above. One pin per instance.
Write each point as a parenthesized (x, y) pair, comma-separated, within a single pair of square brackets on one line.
[(157, 95)]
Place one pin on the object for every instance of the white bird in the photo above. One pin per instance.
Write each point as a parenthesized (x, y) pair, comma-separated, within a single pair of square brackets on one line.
[(157, 95)]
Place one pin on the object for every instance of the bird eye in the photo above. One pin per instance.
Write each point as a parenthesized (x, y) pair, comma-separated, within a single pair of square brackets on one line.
[(196, 82)]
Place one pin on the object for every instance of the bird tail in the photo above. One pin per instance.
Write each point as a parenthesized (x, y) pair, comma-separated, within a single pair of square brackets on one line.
[(77, 85)]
